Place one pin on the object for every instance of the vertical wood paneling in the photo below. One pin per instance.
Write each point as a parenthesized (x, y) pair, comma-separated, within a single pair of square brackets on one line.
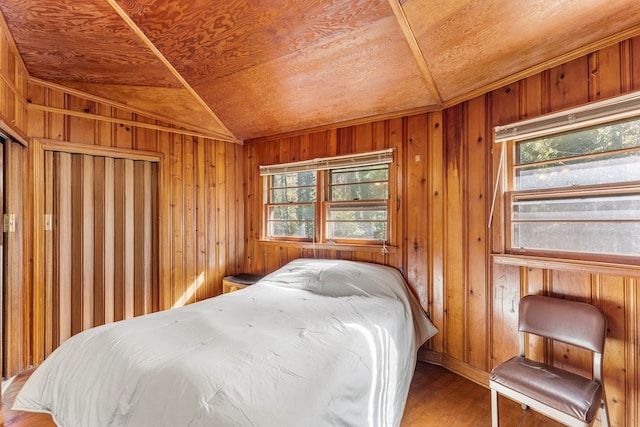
[(129, 215), (105, 246), (222, 213), (109, 271), (122, 136), (119, 267), (436, 239), (75, 239), (63, 254), (142, 241), (416, 211), (476, 236), (611, 299), (504, 303), (99, 233), (534, 281), (177, 207), (632, 362), (569, 84), (48, 254), (633, 64), (13, 245), (455, 229), (394, 138), (88, 238), (605, 72), (4, 87), (79, 127), (204, 279), (16, 247), (236, 192), (212, 216), (190, 275)]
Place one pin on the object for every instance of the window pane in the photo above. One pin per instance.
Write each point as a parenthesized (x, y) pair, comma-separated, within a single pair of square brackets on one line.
[(368, 222), (293, 179), (291, 212), (360, 174), (348, 192), (611, 168), (614, 136), (293, 195), (302, 230), (293, 187), (600, 215), (357, 231), (363, 183), (291, 221), (615, 238), (621, 206)]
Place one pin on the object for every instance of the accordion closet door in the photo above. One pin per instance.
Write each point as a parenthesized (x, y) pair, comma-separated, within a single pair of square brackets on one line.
[(101, 242)]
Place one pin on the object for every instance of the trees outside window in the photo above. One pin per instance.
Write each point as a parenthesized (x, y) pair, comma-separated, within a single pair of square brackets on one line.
[(576, 192), (336, 200)]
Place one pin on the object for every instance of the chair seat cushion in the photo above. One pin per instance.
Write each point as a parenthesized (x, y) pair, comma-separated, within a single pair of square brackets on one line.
[(565, 391)]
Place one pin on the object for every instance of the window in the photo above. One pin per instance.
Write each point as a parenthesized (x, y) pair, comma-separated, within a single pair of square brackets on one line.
[(576, 193), (291, 208), (358, 203), (331, 200)]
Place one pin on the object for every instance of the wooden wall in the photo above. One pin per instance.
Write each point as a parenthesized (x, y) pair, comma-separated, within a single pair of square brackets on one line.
[(13, 124), (449, 254), (200, 196), (417, 144), (445, 162)]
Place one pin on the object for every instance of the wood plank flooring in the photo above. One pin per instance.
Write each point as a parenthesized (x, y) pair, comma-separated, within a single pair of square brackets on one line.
[(437, 397)]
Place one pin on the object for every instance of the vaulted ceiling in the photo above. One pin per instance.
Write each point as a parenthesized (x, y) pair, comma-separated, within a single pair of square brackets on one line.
[(237, 69)]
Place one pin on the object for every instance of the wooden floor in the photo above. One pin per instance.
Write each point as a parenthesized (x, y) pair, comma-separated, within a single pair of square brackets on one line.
[(437, 397)]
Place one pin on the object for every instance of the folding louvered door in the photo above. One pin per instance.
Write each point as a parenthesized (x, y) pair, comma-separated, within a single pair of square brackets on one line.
[(101, 242)]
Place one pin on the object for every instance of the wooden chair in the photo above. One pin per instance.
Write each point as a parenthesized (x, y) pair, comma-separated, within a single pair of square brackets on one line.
[(564, 396)]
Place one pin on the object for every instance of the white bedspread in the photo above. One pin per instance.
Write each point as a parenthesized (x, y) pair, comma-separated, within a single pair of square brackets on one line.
[(316, 343)]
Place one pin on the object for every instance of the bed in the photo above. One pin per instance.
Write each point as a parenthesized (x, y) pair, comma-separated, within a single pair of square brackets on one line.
[(315, 343)]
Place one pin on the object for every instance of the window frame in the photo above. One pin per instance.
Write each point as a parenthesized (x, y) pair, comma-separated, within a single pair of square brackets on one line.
[(323, 168), (266, 206), (511, 195)]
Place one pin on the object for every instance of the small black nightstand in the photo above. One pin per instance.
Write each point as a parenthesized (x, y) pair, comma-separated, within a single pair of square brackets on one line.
[(239, 281)]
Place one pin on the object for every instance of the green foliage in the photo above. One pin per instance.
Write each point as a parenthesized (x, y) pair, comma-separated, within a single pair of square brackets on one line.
[(596, 221), (295, 196), (615, 136)]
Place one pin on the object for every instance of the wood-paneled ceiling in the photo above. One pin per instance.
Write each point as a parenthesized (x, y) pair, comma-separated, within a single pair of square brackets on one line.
[(239, 69)]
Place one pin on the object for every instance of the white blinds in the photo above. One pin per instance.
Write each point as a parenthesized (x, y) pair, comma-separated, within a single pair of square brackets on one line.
[(352, 160), (596, 113)]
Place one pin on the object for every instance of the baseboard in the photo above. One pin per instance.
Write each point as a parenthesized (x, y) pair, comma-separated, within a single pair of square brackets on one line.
[(430, 356), (456, 366)]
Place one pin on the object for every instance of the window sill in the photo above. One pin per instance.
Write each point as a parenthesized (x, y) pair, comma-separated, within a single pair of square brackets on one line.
[(567, 264), (330, 246)]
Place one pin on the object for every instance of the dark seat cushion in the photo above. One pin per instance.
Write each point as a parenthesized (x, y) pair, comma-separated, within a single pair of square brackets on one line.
[(562, 390)]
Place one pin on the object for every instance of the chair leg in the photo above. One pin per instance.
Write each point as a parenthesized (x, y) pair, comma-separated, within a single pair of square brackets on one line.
[(494, 409), (604, 413)]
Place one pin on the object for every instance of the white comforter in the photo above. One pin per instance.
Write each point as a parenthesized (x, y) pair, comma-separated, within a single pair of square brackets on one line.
[(316, 343)]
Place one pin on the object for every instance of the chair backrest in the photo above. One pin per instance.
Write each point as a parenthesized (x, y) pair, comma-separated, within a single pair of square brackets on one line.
[(571, 322)]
